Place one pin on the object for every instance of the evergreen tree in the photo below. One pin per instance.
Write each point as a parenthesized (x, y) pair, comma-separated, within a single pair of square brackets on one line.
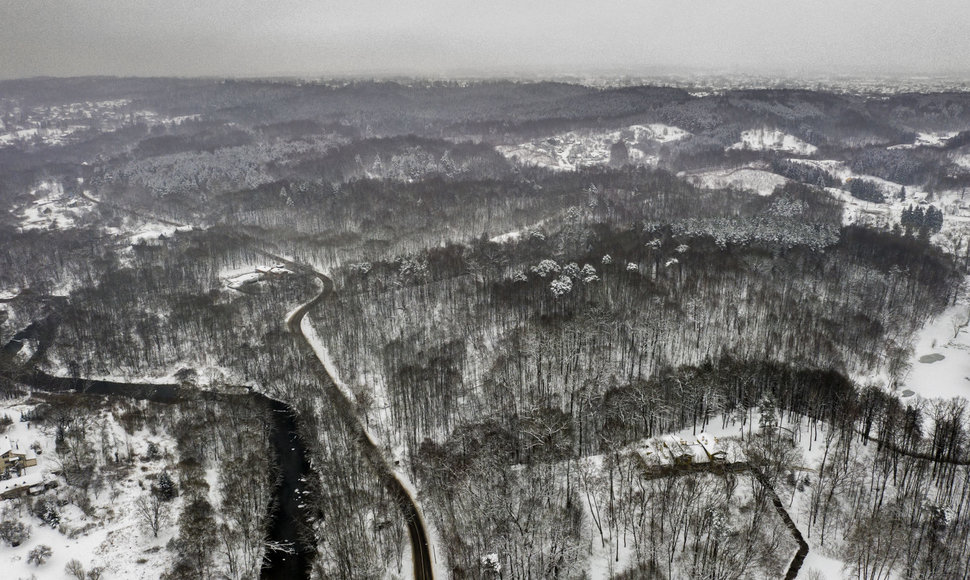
[(866, 191), (933, 220), (165, 488)]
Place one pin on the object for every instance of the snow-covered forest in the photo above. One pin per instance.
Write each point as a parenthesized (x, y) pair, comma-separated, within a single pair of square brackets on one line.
[(461, 329)]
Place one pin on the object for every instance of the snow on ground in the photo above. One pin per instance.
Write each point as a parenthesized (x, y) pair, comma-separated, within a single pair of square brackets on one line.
[(508, 236), (729, 431), (937, 139), (658, 132), (749, 178), (55, 124), (516, 234), (26, 351), (940, 364), (606, 561), (765, 139), (857, 211), (320, 349), (47, 135), (154, 234), (16, 136), (247, 276), (961, 159), (827, 568), (208, 374), (51, 207), (727, 435), (111, 535), (954, 203), (568, 151)]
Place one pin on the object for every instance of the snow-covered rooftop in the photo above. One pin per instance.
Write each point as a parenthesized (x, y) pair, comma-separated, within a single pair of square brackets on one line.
[(28, 480)]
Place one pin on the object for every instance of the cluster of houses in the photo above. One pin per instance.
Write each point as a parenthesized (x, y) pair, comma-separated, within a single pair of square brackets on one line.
[(673, 450), (19, 472)]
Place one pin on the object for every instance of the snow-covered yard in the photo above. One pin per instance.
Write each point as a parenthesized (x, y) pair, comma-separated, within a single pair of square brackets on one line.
[(108, 532)]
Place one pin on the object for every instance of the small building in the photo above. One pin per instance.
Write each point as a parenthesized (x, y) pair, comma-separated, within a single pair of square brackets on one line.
[(652, 455), (679, 452), (714, 450), (32, 484), (13, 458)]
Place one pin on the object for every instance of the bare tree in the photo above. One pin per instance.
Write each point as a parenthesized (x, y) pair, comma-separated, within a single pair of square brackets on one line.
[(151, 510), (75, 569)]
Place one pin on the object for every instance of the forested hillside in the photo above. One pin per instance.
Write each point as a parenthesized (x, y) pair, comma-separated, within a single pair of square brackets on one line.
[(489, 306)]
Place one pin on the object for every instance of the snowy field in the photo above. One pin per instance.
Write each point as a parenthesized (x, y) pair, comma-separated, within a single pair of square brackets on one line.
[(154, 234), (954, 203), (751, 179), (940, 364), (937, 139)]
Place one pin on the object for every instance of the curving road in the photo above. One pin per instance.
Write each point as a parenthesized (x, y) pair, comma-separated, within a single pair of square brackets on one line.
[(420, 548)]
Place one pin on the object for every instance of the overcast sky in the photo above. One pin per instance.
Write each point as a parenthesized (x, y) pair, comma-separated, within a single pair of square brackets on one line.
[(486, 37)]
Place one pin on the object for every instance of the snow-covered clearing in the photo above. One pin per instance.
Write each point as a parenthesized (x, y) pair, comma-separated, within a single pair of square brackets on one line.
[(937, 139), (826, 567), (47, 135), (155, 234), (568, 151), (17, 136), (765, 139), (940, 363), (961, 159), (658, 132), (954, 203), (247, 276), (758, 180), (516, 234)]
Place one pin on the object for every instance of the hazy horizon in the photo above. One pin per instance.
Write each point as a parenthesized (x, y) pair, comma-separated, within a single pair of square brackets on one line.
[(445, 39)]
